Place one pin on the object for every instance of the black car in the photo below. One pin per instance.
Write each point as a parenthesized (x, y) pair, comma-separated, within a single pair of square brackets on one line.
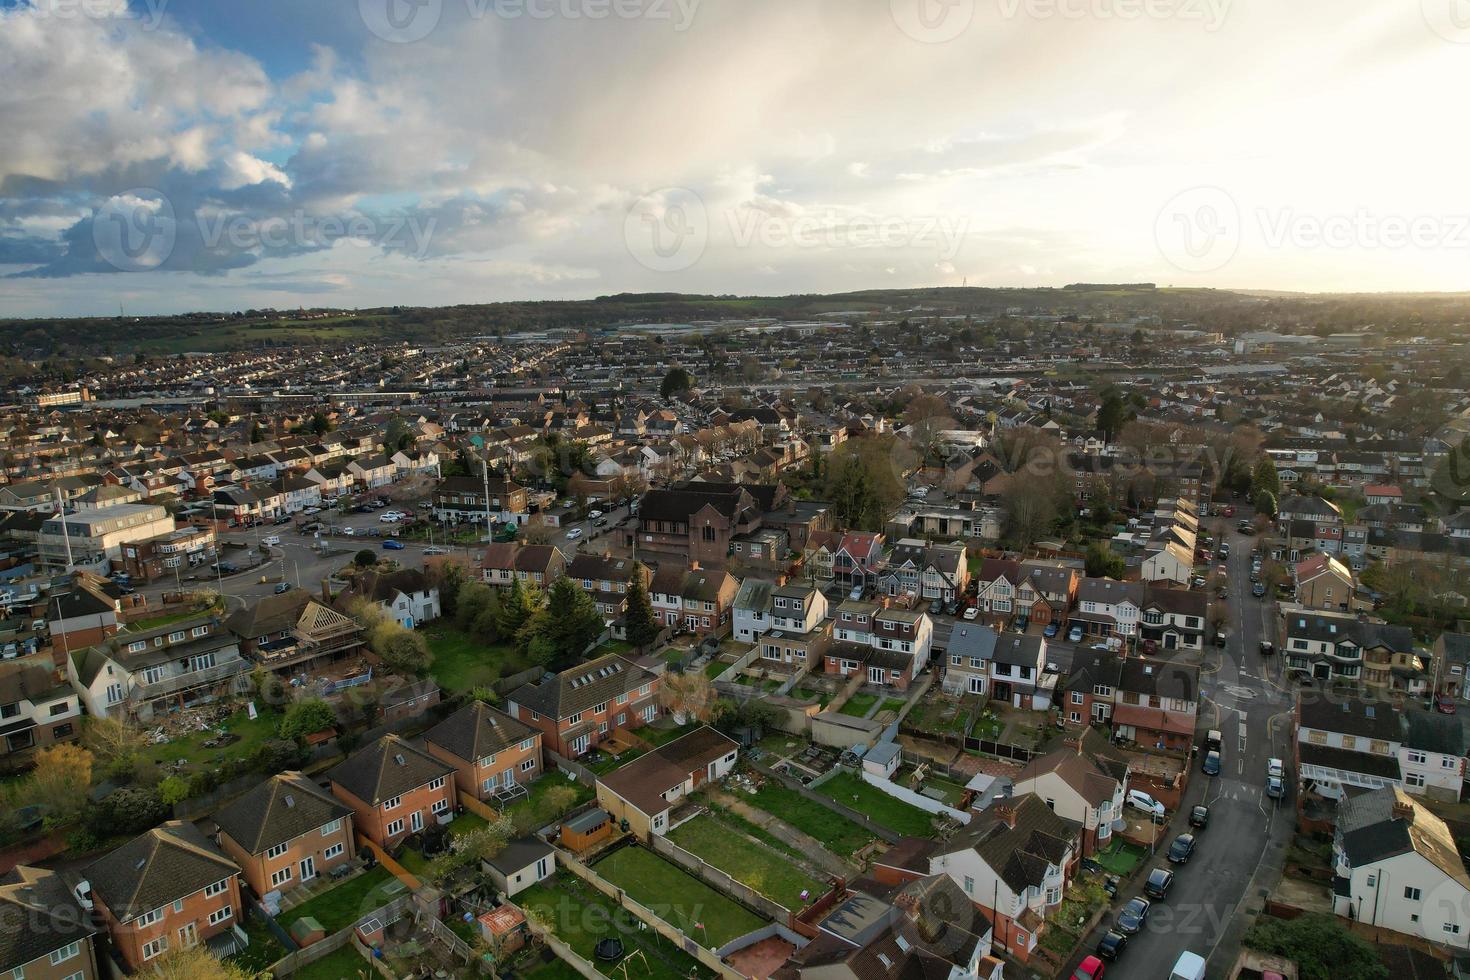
[(1110, 885), (1111, 946), (1132, 916), (1159, 882), (1181, 849), (1211, 765), (1199, 816)]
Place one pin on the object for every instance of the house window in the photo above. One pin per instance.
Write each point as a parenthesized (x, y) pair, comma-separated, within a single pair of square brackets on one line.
[(154, 948), (199, 631), (439, 806), (276, 851), (1414, 780), (528, 765), (969, 885), (176, 636), (220, 915), (59, 956), (1411, 894), (331, 828), (1453, 928), (280, 877), (391, 804), (148, 918), (437, 783), (1078, 697), (334, 851), (114, 693), (395, 828), (1416, 757), (575, 719)]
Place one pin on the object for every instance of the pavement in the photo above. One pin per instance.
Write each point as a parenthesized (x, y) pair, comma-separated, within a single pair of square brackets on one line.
[(1238, 857)]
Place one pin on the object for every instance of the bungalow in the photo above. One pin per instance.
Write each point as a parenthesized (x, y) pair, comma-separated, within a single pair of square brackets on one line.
[(644, 792)]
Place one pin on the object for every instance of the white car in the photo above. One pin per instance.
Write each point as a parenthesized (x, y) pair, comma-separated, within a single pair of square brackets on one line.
[(972, 612), (1275, 768), (574, 534), (388, 518), (1140, 800), (594, 514)]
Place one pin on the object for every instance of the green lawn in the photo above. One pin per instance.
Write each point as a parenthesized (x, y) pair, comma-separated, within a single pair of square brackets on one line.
[(889, 811), (345, 964), (534, 811), (252, 733), (953, 792), (717, 667), (811, 694), (678, 897), (837, 833), (555, 968), (858, 704), (940, 716), (748, 862), (348, 902), (153, 622), (580, 916), (462, 663), (894, 705), (1120, 858)]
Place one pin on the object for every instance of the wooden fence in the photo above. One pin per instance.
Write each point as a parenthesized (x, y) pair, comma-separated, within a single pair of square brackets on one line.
[(409, 879), (301, 958)]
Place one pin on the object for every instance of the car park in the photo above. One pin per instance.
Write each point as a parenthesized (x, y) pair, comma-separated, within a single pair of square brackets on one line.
[(1132, 916), (1160, 880), (1199, 816), (1091, 968), (1181, 849), (1211, 765), (1112, 944)]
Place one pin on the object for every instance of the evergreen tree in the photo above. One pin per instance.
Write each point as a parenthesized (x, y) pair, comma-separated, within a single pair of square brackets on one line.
[(642, 627), (517, 608), (1266, 478)]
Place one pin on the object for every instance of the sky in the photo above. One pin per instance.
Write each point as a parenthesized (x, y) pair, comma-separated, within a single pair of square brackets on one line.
[(166, 156)]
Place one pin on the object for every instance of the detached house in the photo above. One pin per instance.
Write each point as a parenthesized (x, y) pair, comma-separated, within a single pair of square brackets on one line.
[(1323, 582), (1337, 646), (285, 832), (49, 936), (1085, 781), (394, 789), (503, 563), (405, 597), (169, 887), (142, 675), (295, 632), (1174, 619), (697, 600), (491, 752), (576, 709), (36, 711)]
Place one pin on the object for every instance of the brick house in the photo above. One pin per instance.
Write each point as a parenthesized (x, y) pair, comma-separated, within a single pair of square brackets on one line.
[(698, 600), (394, 790), (1084, 781), (575, 709), (56, 940), (645, 791), (169, 887), (534, 564), (891, 645), (285, 832), (697, 522), (36, 710), (490, 751), (606, 579)]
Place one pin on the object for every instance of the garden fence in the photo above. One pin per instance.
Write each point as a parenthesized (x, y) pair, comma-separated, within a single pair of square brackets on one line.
[(722, 882)]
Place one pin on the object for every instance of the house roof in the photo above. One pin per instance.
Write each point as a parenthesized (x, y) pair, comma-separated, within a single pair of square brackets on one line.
[(477, 731), (50, 913), (169, 862), (386, 768), (278, 810), (1386, 823), (578, 688), (643, 781), (1019, 854), (1092, 768)]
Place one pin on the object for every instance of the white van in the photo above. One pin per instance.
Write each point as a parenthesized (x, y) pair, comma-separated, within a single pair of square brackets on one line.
[(271, 539), (1189, 966)]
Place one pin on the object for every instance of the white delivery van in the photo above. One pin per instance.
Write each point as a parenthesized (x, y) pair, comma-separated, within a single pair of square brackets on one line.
[(1189, 966), (271, 539)]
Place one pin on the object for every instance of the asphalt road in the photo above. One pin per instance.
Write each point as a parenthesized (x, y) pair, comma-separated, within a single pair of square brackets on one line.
[(1247, 832)]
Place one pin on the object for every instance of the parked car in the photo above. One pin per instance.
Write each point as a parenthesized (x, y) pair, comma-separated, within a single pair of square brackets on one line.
[(594, 514), (1150, 647), (282, 587), (1199, 816), (1444, 704), (1221, 638), (1091, 968), (1275, 767), (574, 534), (1189, 966), (1074, 635), (1258, 590), (391, 544), (1052, 629), (436, 550), (1275, 787), (1160, 880), (1112, 944), (1211, 765), (1140, 800), (1111, 884), (392, 517), (1229, 511), (1267, 648), (1132, 916), (1181, 849), (972, 612)]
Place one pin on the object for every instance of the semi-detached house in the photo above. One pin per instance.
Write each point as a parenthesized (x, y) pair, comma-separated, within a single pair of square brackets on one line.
[(285, 832), (394, 789)]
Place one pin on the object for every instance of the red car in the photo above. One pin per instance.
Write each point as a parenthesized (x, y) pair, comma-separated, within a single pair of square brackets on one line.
[(1229, 511), (1445, 704), (1089, 969)]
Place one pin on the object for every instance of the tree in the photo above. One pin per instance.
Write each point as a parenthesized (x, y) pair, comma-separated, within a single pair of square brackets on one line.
[(567, 626), (449, 576), (307, 718), (403, 650), (320, 424), (863, 482), (1103, 562), (173, 789), (366, 558), (1322, 948), (130, 810), (474, 599), (1266, 503), (60, 780), (1266, 478), (639, 622), (1113, 414), (676, 381), (517, 608), (196, 962), (688, 696), (468, 850)]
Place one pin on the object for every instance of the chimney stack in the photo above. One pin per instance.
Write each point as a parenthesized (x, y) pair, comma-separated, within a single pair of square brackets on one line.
[(1005, 813), (1403, 809)]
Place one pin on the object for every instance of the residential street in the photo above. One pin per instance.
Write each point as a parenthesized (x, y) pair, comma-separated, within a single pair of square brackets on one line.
[(1239, 854)]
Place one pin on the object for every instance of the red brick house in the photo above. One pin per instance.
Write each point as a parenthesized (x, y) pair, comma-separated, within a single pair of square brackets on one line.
[(576, 709), (394, 790)]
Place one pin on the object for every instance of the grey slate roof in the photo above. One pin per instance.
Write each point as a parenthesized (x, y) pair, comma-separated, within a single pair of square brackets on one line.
[(477, 731), (279, 810), (387, 768), (52, 918), (169, 862)]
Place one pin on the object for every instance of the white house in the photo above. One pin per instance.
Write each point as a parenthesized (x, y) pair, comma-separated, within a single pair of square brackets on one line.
[(1172, 563), (1085, 781), (1399, 868)]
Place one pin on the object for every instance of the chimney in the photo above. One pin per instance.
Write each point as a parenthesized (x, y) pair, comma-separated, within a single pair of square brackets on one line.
[(1403, 809), (1005, 813), (887, 602)]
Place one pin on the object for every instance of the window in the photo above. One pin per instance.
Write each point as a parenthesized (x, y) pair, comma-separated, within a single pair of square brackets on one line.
[(575, 719), (154, 948), (114, 693), (148, 918), (176, 636), (439, 806), (969, 885), (437, 783), (153, 675), (1077, 697), (393, 803), (1453, 928), (395, 828), (59, 956), (331, 852), (137, 646), (276, 851), (1372, 880), (220, 915), (487, 762), (331, 828), (1414, 780), (280, 877), (1411, 894), (60, 708), (199, 631), (1449, 763), (598, 709), (1416, 757)]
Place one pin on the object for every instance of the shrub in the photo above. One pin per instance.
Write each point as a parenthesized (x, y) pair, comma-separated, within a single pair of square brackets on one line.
[(173, 790), (129, 811)]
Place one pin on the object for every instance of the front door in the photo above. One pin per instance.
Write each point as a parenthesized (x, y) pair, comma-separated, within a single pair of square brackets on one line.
[(308, 868), (416, 821)]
